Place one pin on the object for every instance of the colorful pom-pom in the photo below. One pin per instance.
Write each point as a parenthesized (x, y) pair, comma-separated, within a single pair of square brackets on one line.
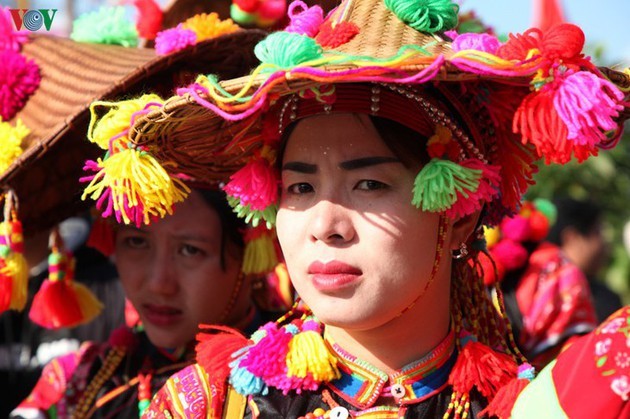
[(260, 251), (174, 39), (262, 13), (149, 20), (477, 41), (510, 254), (516, 228), (287, 50), (13, 266), (11, 145), (306, 21), (108, 25), (470, 201), (19, 78), (426, 16), (209, 25), (309, 356)]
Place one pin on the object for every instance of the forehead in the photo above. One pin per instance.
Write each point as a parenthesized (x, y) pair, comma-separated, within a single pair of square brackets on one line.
[(344, 134)]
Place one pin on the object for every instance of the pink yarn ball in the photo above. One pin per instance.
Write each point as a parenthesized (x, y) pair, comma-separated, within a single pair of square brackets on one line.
[(10, 39), (510, 254), (174, 39), (19, 78), (516, 228), (477, 41)]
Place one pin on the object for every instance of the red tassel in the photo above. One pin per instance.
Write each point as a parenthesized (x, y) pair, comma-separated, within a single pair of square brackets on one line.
[(502, 404), (102, 237), (518, 46), (479, 366), (55, 305), (215, 347), (6, 287)]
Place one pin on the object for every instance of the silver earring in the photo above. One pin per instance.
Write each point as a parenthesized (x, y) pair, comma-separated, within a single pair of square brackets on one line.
[(461, 253)]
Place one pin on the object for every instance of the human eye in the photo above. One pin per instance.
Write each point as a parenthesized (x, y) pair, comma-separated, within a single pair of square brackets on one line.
[(370, 185), (190, 250), (135, 242), (299, 188)]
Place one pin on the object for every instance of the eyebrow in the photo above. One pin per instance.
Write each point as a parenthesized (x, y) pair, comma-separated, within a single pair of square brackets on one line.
[(308, 168)]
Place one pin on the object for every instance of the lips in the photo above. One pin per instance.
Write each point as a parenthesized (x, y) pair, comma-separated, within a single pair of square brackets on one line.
[(333, 276), (160, 315)]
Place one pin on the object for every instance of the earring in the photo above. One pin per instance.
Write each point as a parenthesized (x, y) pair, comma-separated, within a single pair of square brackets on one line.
[(461, 253)]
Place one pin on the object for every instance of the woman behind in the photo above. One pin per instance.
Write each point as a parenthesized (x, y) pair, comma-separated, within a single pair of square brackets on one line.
[(391, 146)]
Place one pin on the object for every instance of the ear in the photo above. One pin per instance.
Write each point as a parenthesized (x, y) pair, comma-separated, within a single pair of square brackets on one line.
[(462, 229)]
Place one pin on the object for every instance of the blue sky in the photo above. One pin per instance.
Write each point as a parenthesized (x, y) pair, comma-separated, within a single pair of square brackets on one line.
[(606, 23)]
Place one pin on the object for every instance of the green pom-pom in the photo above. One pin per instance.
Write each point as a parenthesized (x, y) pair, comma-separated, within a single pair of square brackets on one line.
[(108, 25), (253, 217), (286, 50), (241, 17), (436, 186), (547, 208), (54, 259), (426, 15)]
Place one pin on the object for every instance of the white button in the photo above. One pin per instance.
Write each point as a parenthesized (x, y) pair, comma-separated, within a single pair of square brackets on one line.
[(339, 413), (398, 391)]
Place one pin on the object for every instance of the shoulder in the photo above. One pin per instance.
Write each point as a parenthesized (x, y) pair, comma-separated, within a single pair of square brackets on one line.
[(187, 393), (589, 379)]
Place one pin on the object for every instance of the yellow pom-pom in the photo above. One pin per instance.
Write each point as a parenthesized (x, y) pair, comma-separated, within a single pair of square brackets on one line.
[(140, 188), (117, 119), (492, 235), (208, 26), (308, 354), (11, 144)]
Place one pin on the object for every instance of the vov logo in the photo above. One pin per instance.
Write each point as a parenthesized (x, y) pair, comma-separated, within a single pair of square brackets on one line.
[(33, 19)]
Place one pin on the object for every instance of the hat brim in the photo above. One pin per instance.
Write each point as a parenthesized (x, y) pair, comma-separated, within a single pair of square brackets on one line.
[(46, 176)]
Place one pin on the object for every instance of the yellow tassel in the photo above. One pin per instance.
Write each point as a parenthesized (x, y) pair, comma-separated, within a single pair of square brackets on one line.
[(308, 354), (11, 146), (17, 268), (90, 306), (260, 255), (137, 183), (117, 119)]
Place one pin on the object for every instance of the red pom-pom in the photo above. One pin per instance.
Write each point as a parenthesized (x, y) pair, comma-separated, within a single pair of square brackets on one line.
[(331, 37), (490, 276), (123, 337), (539, 226), (149, 21), (479, 366), (249, 6), (510, 254), (518, 46), (564, 41)]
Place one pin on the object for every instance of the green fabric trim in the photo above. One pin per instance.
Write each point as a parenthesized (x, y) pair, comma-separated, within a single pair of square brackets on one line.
[(539, 399)]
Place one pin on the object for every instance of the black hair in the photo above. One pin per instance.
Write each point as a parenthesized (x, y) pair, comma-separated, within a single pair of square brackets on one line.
[(582, 215), (232, 226)]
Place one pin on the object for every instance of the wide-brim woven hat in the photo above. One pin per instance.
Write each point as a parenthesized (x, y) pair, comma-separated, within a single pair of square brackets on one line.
[(534, 96), (74, 74)]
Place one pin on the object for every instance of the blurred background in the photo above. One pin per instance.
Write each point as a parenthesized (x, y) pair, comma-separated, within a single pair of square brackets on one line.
[(604, 180)]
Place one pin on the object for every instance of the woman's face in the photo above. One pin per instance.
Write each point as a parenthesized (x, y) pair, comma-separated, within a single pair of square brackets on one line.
[(171, 271), (357, 250)]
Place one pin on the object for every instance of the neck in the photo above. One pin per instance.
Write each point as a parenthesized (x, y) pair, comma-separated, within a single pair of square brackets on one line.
[(400, 341)]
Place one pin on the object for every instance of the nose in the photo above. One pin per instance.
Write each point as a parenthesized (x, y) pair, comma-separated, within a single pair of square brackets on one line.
[(162, 275), (331, 223)]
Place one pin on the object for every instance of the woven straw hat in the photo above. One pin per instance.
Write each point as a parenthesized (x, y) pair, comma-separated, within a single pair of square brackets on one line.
[(212, 130), (46, 176)]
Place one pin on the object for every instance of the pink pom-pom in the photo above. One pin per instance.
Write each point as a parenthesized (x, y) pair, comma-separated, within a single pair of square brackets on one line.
[(304, 22), (267, 358), (487, 190), (587, 105), (477, 41), (174, 39), (510, 254), (272, 10), (516, 228), (255, 185), (19, 78), (10, 39)]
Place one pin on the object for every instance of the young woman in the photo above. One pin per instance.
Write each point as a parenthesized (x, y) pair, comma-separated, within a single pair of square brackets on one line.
[(391, 146)]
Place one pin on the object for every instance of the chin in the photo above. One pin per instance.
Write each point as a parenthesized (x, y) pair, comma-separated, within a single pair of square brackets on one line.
[(166, 339)]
